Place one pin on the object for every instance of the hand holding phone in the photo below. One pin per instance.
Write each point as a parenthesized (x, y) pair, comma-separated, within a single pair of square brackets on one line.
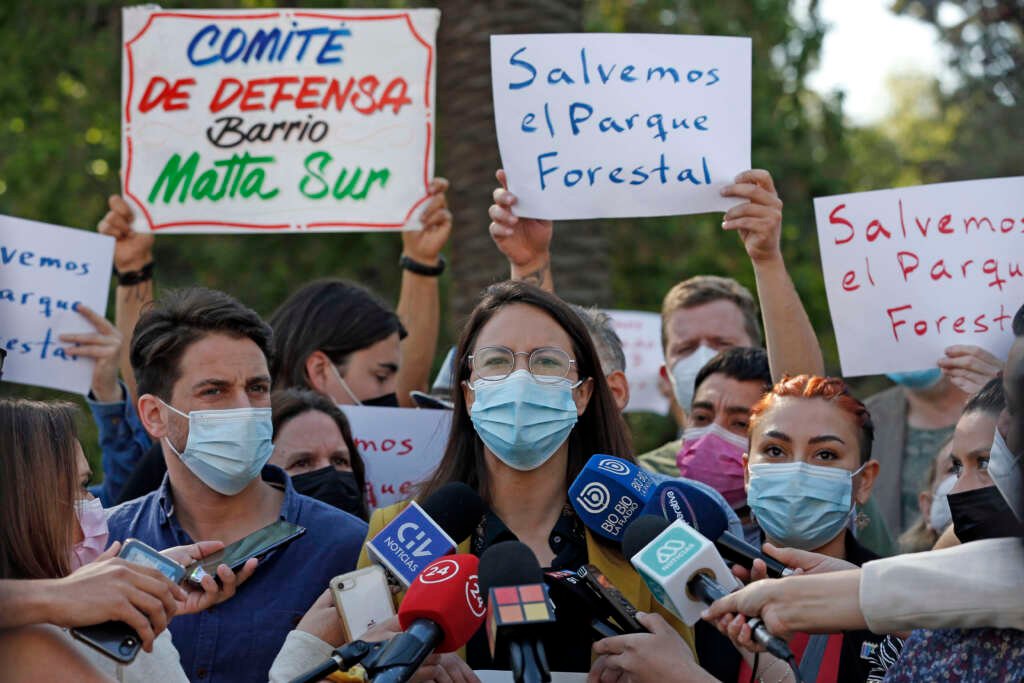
[(256, 545), (363, 600)]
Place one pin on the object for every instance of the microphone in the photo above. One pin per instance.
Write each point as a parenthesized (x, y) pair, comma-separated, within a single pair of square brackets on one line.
[(590, 592), (419, 535), (682, 499), (441, 611), (608, 493), (685, 572), (519, 612)]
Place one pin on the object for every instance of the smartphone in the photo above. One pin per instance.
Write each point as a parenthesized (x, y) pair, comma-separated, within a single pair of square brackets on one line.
[(363, 600), (430, 401), (257, 544), (116, 639)]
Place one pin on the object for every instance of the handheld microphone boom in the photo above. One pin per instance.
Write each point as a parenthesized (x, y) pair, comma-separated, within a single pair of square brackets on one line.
[(519, 612), (441, 611), (419, 535), (685, 573), (682, 499), (608, 493)]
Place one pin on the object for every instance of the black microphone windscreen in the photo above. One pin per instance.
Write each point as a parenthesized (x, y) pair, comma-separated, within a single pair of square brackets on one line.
[(509, 563), (641, 532), (456, 508)]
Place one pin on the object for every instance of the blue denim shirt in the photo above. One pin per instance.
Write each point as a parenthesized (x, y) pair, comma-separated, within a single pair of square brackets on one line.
[(123, 440), (238, 639)]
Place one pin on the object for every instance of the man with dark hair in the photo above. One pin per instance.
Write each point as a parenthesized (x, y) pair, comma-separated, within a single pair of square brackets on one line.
[(200, 360)]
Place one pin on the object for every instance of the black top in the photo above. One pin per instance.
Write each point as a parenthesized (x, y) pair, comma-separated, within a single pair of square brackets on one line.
[(571, 650), (719, 657)]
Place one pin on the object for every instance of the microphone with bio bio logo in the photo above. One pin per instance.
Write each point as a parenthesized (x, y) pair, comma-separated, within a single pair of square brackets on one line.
[(608, 493)]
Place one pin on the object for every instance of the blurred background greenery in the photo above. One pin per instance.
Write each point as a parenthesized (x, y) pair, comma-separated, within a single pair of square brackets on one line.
[(60, 89)]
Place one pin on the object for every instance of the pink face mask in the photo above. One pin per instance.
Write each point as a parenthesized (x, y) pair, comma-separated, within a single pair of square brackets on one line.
[(714, 456), (93, 520)]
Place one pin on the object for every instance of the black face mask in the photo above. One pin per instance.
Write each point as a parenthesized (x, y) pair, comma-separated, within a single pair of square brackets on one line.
[(982, 513), (335, 488), (385, 401)]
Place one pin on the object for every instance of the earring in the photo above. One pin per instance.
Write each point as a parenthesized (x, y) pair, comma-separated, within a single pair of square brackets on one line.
[(861, 520)]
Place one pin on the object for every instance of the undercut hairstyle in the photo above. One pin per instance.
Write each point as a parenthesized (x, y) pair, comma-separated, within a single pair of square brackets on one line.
[(290, 403), (333, 316), (704, 289), (738, 363), (990, 399), (1018, 323), (606, 339), (179, 319), (831, 389), (600, 429), (38, 487)]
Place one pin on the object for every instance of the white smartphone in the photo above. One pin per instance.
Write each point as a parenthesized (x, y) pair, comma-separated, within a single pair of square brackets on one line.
[(363, 600)]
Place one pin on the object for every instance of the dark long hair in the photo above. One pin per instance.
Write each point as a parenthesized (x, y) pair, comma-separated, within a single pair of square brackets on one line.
[(600, 429), (290, 403), (332, 316), (38, 483)]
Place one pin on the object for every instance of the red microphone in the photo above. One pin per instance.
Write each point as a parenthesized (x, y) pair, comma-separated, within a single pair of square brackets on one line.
[(440, 613)]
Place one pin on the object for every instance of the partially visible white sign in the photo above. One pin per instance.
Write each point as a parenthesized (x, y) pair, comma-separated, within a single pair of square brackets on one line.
[(594, 125), (400, 446), (45, 271), (640, 333), (911, 271)]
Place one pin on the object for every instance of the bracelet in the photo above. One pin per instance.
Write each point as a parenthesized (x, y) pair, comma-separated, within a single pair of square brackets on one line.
[(135, 277), (422, 268)]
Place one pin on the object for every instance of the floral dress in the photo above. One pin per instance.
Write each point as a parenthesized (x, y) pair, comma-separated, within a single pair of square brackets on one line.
[(982, 655)]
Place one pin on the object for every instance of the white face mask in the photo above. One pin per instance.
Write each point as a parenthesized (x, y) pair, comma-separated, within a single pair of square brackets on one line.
[(940, 517), (1005, 469), (684, 373)]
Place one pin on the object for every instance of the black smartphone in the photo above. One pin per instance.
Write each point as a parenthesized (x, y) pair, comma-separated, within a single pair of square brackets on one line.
[(621, 610), (430, 401), (257, 544), (116, 639)]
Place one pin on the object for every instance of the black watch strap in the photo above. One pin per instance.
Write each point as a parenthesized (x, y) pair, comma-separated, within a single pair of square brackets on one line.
[(135, 277), (421, 268)]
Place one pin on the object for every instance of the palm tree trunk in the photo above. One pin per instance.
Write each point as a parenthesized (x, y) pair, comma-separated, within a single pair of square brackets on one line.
[(468, 148)]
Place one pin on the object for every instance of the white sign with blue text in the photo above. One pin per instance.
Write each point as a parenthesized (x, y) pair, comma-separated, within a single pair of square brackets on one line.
[(597, 125), (45, 271)]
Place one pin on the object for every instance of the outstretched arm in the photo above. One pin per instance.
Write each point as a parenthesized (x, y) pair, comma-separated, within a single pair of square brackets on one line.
[(792, 345), (525, 242), (419, 301)]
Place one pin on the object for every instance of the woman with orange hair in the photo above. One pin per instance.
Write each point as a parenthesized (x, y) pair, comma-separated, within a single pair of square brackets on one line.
[(808, 462)]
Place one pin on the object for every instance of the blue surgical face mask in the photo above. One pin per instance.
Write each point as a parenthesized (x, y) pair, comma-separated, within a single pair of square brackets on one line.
[(226, 449), (918, 379), (521, 420), (799, 505)]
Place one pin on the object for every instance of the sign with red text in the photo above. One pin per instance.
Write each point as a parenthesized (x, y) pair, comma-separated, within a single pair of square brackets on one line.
[(640, 333), (400, 446), (595, 125), (45, 272), (282, 120), (911, 271)]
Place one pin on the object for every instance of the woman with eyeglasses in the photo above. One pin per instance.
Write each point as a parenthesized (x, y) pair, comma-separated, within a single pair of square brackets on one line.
[(533, 408)]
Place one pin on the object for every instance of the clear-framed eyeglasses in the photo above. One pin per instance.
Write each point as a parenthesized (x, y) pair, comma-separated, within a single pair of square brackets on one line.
[(547, 364)]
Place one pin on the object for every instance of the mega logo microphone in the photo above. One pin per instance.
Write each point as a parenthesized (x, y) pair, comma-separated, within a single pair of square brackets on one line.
[(519, 613), (681, 499), (608, 493), (441, 611), (419, 535), (685, 572)]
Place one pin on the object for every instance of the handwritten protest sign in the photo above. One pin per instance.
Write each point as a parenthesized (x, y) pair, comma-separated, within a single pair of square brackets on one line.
[(640, 333), (609, 125), (400, 446), (45, 271), (277, 120), (911, 271)]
